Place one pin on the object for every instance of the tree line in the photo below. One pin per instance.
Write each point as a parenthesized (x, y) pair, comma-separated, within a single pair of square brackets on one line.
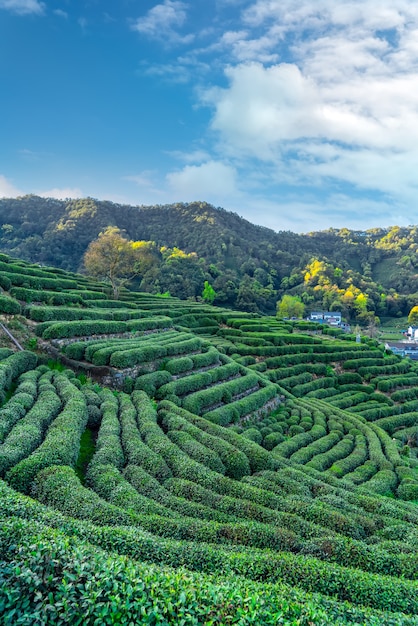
[(180, 246)]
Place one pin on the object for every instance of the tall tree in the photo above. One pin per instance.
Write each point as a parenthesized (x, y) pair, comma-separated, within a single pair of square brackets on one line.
[(413, 316), (290, 306), (208, 294), (115, 259)]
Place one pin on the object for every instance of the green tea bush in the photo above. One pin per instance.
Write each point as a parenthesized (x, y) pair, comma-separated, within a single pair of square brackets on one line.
[(231, 332), (319, 383), (340, 450), (83, 328), (14, 365), (34, 295), (348, 399), (20, 402), (10, 306), (20, 279), (239, 408), (151, 488), (134, 356), (349, 378), (135, 450), (362, 473), (383, 482), (151, 323), (391, 424), (153, 381), (196, 450), (5, 283), (398, 368), (62, 440), (258, 458), (235, 461), (272, 440), (354, 459), (305, 454), (355, 364), (59, 486), (405, 394), (88, 294), (27, 434), (328, 392), (52, 313), (111, 485), (112, 304), (289, 447), (99, 352), (198, 401), (400, 381), (195, 382), (292, 381), (76, 350), (108, 445), (179, 365), (143, 589)]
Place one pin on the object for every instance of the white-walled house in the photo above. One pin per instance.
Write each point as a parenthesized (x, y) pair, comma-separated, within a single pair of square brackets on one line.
[(333, 318), (412, 333)]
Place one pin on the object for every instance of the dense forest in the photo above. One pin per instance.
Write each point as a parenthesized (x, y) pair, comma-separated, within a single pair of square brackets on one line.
[(363, 274)]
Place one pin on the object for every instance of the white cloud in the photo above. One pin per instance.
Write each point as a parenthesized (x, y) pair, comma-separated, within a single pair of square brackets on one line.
[(264, 106), (7, 189), (61, 13), (194, 157), (61, 194), (143, 179), (342, 111), (171, 72), (23, 7), (163, 21), (209, 181), (147, 181)]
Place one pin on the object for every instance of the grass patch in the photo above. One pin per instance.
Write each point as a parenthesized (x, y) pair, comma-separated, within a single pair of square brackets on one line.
[(392, 335), (55, 365), (8, 394), (393, 323), (87, 449)]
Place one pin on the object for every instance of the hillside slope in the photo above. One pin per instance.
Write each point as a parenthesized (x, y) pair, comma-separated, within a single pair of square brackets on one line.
[(250, 267), (180, 463)]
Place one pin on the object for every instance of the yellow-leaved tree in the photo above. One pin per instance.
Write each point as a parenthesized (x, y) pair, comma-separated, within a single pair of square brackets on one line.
[(117, 260)]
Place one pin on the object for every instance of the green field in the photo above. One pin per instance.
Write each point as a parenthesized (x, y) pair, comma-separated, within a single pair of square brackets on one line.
[(188, 464)]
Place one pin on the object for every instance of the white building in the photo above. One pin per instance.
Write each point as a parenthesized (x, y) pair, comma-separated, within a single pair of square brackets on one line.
[(333, 318)]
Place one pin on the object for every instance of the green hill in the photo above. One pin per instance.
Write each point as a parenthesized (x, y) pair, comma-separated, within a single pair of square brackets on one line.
[(181, 463), (362, 274)]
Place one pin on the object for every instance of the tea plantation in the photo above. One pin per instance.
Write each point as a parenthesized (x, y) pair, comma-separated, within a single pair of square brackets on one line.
[(170, 462)]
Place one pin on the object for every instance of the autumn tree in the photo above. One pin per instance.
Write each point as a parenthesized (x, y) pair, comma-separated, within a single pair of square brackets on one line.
[(117, 260), (290, 306), (413, 316)]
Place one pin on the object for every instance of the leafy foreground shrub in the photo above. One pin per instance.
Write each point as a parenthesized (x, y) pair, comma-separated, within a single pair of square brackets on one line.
[(20, 402), (13, 366), (9, 306), (53, 579)]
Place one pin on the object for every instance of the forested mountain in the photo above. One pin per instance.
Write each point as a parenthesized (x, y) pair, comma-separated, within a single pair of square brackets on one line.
[(361, 273)]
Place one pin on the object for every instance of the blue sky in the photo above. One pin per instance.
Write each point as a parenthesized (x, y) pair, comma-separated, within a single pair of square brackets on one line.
[(297, 114)]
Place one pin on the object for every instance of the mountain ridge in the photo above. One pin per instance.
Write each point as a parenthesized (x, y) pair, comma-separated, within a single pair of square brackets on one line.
[(250, 266)]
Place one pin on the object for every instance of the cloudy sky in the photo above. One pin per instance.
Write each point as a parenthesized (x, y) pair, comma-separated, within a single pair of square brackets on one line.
[(297, 114)]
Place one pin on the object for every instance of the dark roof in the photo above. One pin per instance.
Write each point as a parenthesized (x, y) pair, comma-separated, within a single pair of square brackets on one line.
[(402, 345)]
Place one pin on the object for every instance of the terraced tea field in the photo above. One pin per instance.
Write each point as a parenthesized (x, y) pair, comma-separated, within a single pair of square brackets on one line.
[(187, 464)]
